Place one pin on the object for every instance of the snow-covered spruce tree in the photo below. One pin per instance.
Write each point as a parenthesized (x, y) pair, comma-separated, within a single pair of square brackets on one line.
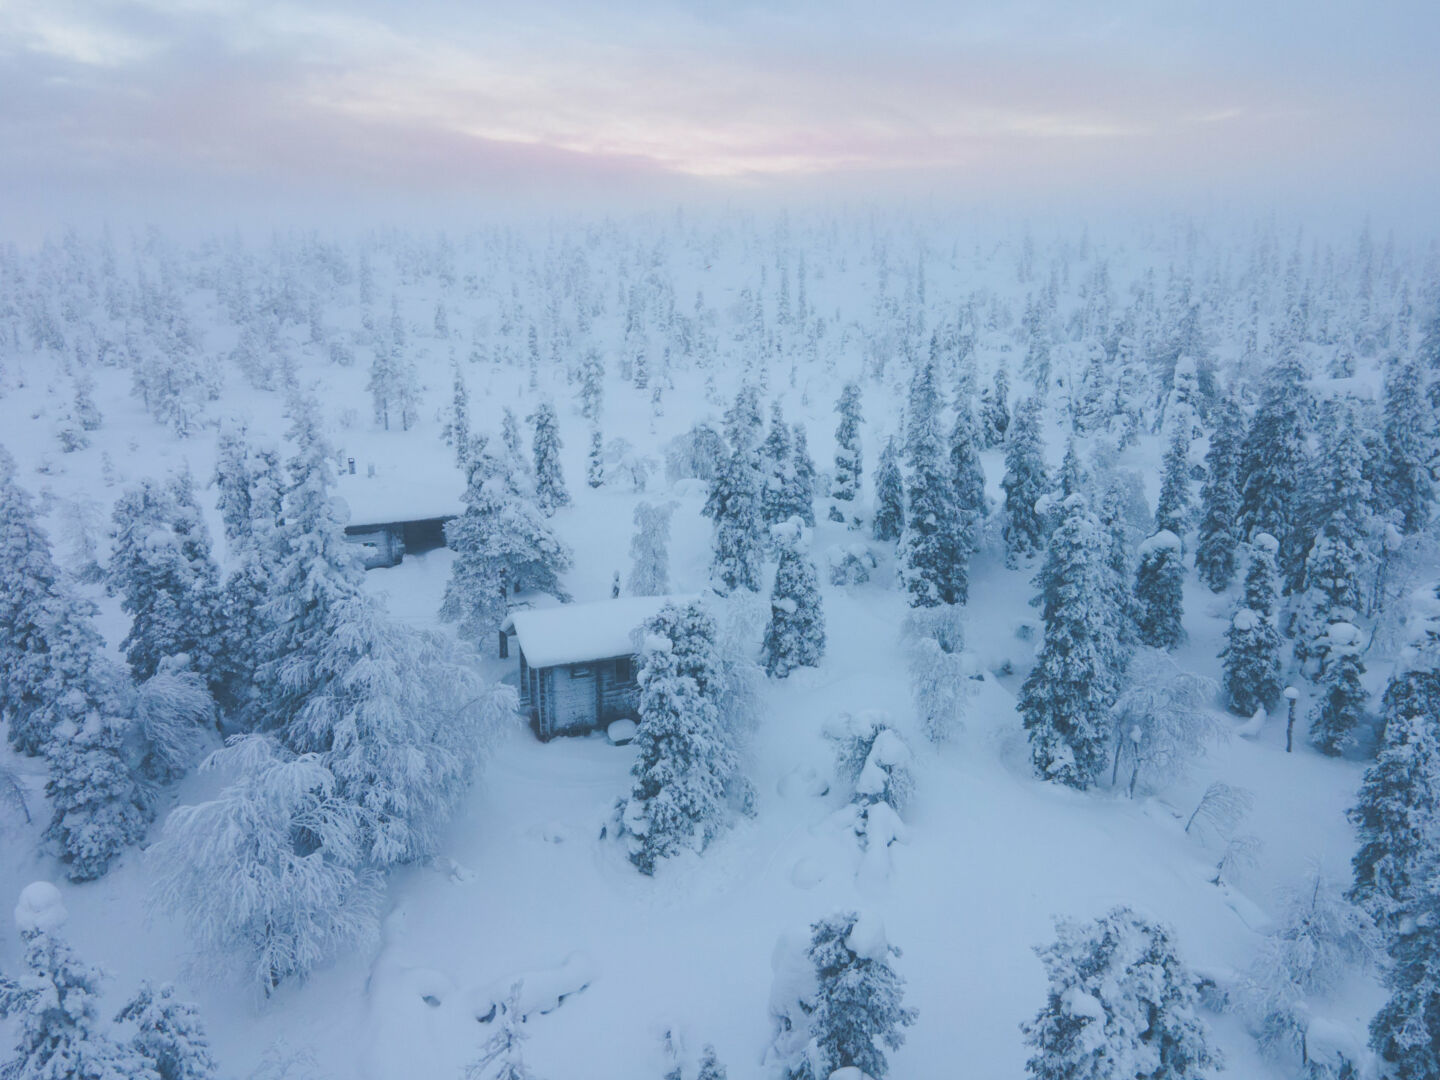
[(995, 409), (1274, 463), (858, 1009), (710, 1067), (99, 805), (776, 456), (1251, 663), (967, 472), (456, 432), (1343, 699), (1318, 941), (1340, 555), (519, 470), (1074, 478), (1024, 482), (849, 460), (1333, 592), (399, 718), (169, 1034), (1065, 699), (802, 487), (735, 499), (889, 520), (167, 581), (1220, 503), (200, 602), (1251, 656), (1406, 482), (933, 557), (686, 757), (1262, 576), (592, 385), (1397, 820), (1159, 592), (595, 461), (263, 872), (59, 1033), (795, 635), (650, 550), (1406, 1030), (550, 493), (1118, 521), (312, 567), (50, 653), (1172, 511), (502, 544), (1121, 1004), (232, 480)]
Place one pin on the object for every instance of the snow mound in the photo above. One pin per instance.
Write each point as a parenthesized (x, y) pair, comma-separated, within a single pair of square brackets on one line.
[(867, 938), (621, 732), (1245, 620), (1164, 540), (1265, 542), (540, 991), (40, 910)]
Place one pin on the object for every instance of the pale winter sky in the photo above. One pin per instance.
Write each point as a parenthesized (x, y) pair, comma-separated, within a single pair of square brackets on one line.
[(156, 106)]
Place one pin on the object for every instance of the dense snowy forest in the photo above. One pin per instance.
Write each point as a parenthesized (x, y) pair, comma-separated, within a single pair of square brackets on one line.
[(1044, 678)]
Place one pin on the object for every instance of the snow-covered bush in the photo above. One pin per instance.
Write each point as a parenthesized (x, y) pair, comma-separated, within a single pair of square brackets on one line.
[(264, 874), (871, 759), (850, 564), (1163, 720), (939, 672)]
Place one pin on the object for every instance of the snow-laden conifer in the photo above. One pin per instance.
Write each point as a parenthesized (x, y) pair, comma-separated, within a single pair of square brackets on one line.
[(1065, 699), (1121, 1003), (1024, 483)]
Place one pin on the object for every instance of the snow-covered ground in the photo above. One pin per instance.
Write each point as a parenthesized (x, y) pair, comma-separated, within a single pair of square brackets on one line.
[(527, 884)]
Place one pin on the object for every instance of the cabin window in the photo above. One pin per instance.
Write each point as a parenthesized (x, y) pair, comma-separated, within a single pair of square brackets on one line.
[(623, 673)]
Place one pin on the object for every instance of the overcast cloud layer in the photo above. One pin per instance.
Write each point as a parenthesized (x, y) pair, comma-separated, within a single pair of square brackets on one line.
[(213, 105)]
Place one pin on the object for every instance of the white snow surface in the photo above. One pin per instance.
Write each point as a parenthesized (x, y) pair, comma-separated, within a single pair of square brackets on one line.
[(40, 909), (575, 633), (399, 492), (989, 855)]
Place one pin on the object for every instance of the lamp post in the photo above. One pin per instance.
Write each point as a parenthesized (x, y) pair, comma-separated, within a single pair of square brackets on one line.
[(1291, 695)]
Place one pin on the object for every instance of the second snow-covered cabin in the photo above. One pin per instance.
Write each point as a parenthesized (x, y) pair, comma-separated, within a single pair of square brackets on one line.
[(578, 662), (395, 510)]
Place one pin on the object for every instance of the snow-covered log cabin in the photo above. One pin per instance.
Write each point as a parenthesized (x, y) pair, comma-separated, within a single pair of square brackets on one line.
[(393, 511), (578, 662)]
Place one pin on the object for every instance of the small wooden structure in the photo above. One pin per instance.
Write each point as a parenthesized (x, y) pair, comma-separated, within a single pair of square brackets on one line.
[(394, 510), (578, 662)]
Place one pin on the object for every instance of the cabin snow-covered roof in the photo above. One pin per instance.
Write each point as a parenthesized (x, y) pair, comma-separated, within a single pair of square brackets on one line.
[(402, 491), (577, 633)]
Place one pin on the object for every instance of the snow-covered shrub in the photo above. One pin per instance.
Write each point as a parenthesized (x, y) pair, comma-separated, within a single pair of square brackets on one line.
[(1162, 720), (849, 564), (264, 873), (871, 759), (1318, 941), (939, 672)]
